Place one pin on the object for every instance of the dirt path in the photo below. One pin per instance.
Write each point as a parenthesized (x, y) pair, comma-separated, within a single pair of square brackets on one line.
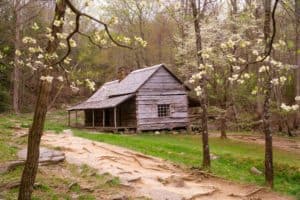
[(291, 145), (148, 176)]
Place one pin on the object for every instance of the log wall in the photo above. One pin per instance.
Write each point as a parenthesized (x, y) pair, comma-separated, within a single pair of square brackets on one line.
[(161, 88)]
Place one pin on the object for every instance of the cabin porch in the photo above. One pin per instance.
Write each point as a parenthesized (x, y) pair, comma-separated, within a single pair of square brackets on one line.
[(121, 117)]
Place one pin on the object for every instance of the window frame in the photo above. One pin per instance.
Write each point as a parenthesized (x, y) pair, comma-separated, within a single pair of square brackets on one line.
[(163, 110)]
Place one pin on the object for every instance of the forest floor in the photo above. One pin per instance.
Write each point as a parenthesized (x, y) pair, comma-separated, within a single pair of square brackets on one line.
[(288, 144), (233, 159)]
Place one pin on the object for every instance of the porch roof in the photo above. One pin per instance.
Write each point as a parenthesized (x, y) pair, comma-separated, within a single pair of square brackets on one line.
[(105, 103)]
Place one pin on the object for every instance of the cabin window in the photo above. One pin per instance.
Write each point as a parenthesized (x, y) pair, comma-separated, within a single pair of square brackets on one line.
[(163, 110)]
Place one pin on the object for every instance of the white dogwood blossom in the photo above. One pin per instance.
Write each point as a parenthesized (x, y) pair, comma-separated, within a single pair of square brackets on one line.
[(18, 52), (90, 84), (73, 43), (275, 81), (198, 91), (47, 78), (60, 78), (288, 108), (28, 40), (263, 68), (35, 26)]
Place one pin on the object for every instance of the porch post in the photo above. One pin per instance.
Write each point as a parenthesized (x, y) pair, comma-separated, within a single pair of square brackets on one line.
[(103, 118), (76, 117), (69, 118), (115, 116), (93, 118)]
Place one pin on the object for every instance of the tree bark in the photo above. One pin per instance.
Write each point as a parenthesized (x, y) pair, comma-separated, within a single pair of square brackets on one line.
[(203, 98), (36, 130), (34, 139), (269, 171), (16, 70), (297, 14)]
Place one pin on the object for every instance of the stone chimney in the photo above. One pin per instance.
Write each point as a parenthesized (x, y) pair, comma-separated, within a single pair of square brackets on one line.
[(122, 72)]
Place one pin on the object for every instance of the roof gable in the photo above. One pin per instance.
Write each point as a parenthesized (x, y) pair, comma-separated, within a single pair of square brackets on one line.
[(133, 81)]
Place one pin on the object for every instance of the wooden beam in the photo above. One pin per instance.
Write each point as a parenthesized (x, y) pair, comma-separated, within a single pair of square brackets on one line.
[(93, 118), (115, 116), (103, 117), (69, 118)]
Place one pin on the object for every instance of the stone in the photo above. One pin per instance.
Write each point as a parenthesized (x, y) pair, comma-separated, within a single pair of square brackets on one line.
[(255, 171), (156, 132), (119, 197), (68, 132), (45, 154), (213, 157)]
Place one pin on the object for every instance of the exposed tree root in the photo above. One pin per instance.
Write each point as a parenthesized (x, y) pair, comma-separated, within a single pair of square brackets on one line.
[(248, 194), (128, 156), (213, 190)]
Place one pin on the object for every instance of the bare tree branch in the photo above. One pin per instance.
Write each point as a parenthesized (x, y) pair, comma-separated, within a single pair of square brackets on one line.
[(78, 14)]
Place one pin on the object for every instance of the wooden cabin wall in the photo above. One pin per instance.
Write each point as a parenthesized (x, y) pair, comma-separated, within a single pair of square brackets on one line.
[(126, 115), (161, 88)]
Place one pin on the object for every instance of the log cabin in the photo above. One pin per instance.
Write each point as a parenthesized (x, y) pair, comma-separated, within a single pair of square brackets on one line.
[(152, 98)]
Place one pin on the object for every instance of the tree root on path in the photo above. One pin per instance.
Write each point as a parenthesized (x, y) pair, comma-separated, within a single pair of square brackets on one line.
[(213, 190), (133, 156), (248, 194)]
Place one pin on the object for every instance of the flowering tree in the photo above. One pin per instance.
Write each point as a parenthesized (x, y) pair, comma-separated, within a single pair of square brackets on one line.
[(230, 62), (50, 63)]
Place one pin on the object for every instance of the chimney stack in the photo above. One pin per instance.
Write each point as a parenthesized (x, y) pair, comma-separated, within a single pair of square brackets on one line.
[(122, 72)]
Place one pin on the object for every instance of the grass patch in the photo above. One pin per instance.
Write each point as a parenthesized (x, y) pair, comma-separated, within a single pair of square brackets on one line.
[(234, 158)]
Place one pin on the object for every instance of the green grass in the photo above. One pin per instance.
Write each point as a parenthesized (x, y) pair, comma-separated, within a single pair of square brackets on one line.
[(234, 158)]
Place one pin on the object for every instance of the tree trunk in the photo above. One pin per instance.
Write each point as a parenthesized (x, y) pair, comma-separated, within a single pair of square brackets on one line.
[(16, 71), (297, 13), (203, 99), (268, 136), (36, 130), (34, 139), (269, 171), (223, 126), (204, 128)]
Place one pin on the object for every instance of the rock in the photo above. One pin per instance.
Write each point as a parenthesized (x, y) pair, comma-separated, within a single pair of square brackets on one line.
[(213, 157), (45, 154), (68, 132), (71, 185), (175, 181), (135, 179), (74, 196), (119, 197), (156, 132), (255, 171)]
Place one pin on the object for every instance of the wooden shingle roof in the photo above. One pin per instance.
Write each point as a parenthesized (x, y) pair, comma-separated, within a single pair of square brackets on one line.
[(115, 92)]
